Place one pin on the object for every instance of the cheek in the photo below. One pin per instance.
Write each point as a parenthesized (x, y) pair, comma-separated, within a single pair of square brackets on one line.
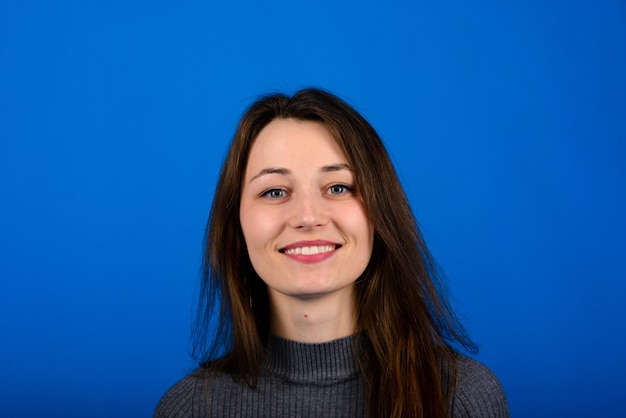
[(259, 233), (247, 221), (354, 222), (360, 225), (258, 228)]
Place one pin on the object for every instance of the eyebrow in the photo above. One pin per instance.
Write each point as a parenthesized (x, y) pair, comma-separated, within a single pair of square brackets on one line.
[(284, 171), (281, 171), (335, 167)]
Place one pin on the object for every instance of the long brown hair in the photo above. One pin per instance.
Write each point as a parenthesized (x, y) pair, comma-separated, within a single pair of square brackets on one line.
[(406, 325)]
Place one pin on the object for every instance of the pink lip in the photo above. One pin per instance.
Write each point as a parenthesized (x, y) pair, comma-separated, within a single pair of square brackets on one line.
[(310, 258), (312, 243)]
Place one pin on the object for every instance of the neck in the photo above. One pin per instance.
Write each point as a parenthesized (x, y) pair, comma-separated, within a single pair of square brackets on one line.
[(313, 319)]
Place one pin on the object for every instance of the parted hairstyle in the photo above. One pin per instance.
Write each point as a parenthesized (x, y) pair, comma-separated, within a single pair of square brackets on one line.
[(406, 328)]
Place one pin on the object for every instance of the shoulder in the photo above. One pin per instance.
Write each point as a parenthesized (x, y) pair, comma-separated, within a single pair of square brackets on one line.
[(187, 398), (479, 393)]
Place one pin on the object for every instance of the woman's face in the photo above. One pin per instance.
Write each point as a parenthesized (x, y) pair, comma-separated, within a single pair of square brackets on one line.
[(306, 232)]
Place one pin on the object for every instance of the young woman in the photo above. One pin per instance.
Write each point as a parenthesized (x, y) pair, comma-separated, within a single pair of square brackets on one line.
[(330, 302)]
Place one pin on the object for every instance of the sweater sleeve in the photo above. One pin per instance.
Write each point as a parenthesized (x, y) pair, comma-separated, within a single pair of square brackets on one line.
[(479, 393)]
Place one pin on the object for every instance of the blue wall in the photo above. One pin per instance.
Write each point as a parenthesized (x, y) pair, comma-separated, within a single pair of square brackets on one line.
[(507, 124)]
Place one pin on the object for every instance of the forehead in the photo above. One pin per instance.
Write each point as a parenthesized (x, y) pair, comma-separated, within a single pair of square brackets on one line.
[(294, 143)]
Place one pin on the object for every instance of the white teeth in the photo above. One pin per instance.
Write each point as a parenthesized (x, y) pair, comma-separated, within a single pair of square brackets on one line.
[(310, 250)]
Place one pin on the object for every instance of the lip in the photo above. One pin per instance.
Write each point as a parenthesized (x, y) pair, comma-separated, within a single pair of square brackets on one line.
[(310, 258), (309, 243)]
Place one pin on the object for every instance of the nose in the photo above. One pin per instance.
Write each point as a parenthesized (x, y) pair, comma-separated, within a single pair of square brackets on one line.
[(308, 211)]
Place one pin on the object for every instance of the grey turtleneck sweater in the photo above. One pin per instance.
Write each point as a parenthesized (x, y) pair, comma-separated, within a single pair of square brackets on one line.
[(314, 380)]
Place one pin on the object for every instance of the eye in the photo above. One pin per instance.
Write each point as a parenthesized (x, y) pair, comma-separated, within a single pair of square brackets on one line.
[(274, 193), (339, 189)]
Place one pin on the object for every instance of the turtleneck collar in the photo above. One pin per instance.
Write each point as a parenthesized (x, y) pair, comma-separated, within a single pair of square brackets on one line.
[(320, 363)]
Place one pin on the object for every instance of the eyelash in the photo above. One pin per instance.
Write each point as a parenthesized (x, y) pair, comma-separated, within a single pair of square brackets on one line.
[(346, 188), (268, 193)]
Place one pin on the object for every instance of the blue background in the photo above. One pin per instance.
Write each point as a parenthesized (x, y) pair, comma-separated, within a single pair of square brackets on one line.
[(506, 121)]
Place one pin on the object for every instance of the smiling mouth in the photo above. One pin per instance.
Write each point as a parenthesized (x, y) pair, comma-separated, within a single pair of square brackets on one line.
[(310, 250)]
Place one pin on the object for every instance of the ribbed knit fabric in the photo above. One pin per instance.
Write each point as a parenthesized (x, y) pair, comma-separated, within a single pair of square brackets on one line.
[(314, 380)]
